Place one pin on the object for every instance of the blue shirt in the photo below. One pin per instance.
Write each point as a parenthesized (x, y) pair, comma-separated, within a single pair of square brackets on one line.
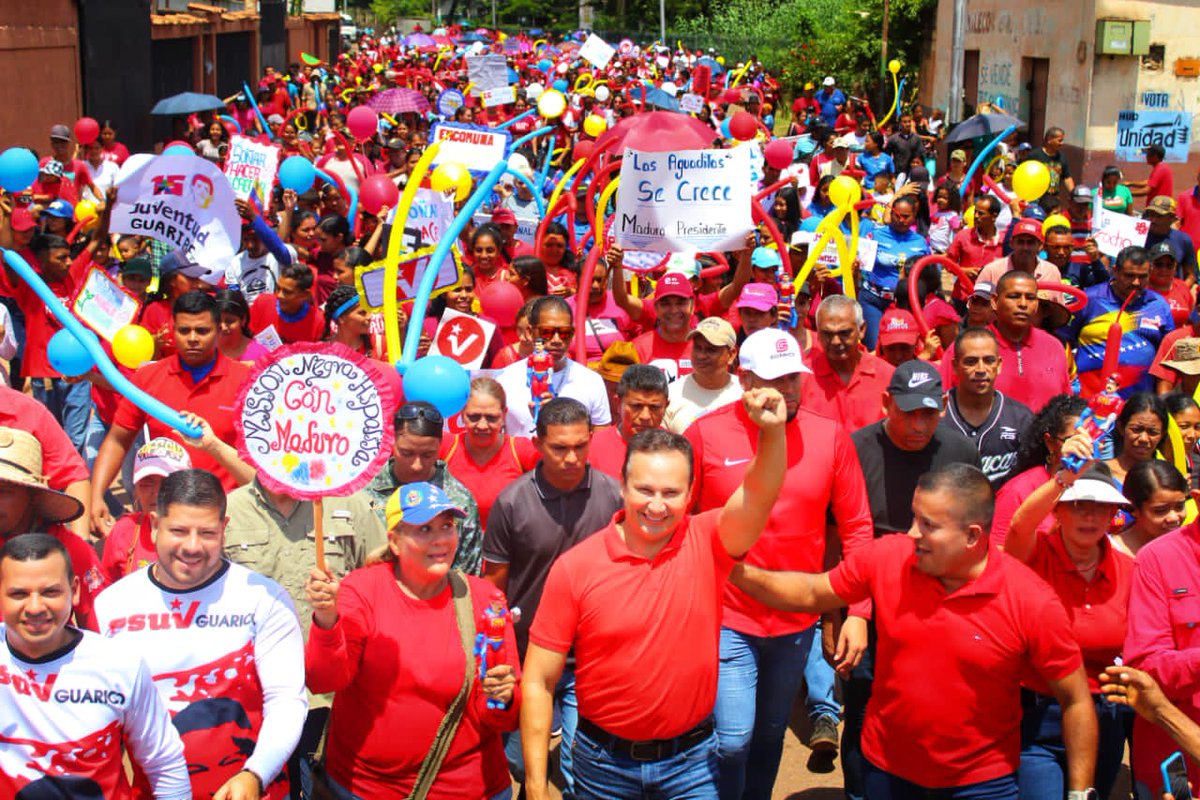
[(1144, 324), (873, 165), (829, 103), (896, 251)]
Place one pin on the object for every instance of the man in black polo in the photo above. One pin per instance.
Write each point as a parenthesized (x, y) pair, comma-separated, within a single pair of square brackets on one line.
[(537, 518)]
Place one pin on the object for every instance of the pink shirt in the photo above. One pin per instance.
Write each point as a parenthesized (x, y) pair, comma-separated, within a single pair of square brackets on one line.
[(1045, 271)]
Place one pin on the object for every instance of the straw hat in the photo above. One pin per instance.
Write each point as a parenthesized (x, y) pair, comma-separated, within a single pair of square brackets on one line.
[(21, 465)]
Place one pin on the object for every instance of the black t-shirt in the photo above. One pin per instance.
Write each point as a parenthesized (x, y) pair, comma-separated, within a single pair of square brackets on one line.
[(997, 439), (891, 473), (1057, 164)]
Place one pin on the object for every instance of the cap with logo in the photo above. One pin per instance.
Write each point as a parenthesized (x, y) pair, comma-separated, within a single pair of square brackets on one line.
[(673, 284), (829, 81), (61, 209), (770, 354), (1161, 206), (717, 331), (1028, 227), (1164, 248), (983, 291), (759, 296), (418, 503), (1081, 194), (916, 385), (898, 327), (161, 457), (1184, 356)]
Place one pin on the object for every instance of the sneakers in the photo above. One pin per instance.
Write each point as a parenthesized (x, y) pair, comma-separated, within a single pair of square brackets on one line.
[(824, 735)]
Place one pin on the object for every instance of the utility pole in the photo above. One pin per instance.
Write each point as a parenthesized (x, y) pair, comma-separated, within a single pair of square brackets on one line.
[(955, 104), (662, 22)]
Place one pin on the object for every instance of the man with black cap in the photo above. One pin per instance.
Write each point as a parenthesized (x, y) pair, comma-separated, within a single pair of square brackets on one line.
[(1164, 265), (1160, 213)]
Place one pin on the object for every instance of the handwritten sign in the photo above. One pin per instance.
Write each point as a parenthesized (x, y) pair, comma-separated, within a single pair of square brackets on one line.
[(463, 338), (476, 148), (499, 97), (312, 420), (1137, 130), (684, 200), (691, 103), (251, 168), (596, 51), (867, 250), (104, 305), (488, 72), (428, 217), (370, 279), (449, 101), (1114, 231)]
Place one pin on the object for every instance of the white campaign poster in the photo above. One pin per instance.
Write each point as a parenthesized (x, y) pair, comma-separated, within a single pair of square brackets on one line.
[(1114, 231), (430, 214), (476, 148), (463, 338), (691, 103), (867, 250), (487, 72), (498, 97), (684, 200), (596, 51), (251, 168)]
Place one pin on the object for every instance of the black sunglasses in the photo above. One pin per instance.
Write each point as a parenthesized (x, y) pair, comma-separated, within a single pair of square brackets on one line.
[(409, 413)]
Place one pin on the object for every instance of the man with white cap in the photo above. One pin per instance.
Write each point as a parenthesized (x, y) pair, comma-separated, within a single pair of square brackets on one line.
[(831, 101), (711, 385), (763, 652)]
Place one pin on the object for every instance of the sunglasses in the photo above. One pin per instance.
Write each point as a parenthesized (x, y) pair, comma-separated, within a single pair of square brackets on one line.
[(548, 332), (409, 413)]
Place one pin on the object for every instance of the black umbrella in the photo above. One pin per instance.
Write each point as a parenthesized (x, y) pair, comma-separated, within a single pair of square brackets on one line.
[(982, 125), (186, 103)]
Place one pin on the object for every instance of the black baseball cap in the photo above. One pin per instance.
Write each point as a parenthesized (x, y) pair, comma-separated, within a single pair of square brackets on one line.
[(916, 385)]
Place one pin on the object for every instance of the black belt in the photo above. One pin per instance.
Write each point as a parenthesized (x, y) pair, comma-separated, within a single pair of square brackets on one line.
[(650, 750)]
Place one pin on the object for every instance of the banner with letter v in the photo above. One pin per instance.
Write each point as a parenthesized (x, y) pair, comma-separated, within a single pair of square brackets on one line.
[(463, 338)]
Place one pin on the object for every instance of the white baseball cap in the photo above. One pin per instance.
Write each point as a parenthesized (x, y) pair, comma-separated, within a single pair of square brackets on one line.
[(771, 353), (829, 81), (1094, 489), (160, 456)]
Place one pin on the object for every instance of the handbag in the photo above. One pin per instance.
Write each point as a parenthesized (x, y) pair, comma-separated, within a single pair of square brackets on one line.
[(464, 615)]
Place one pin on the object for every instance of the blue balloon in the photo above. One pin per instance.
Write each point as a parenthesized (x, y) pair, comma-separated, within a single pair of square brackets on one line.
[(725, 133), (297, 173), (68, 355), (438, 380), (18, 169), (560, 84), (179, 150), (544, 64)]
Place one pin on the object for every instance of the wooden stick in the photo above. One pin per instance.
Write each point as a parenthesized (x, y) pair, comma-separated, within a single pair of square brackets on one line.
[(319, 532)]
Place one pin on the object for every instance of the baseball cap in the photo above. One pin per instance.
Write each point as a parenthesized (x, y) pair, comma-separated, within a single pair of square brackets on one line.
[(161, 457), (1081, 194), (60, 132), (829, 81), (938, 311), (1093, 489), (1184, 356), (138, 265), (760, 296), (958, 155), (275, 119), (765, 258), (1161, 205), (717, 331), (176, 261), (916, 385), (684, 264), (1164, 248), (418, 503), (395, 143), (809, 85), (504, 216), (1028, 227), (898, 327), (770, 354), (983, 290), (673, 284), (60, 208), (843, 141), (22, 219)]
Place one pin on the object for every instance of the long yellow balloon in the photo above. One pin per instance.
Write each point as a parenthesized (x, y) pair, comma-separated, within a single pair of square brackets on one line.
[(605, 195), (562, 184), (827, 228), (848, 286), (1179, 459), (391, 263)]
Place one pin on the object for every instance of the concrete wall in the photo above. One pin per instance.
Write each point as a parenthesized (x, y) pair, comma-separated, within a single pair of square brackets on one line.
[(40, 59)]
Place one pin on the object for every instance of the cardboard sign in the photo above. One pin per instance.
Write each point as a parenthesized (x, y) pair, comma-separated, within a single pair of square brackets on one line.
[(684, 200), (488, 72), (269, 338), (369, 279), (103, 305), (475, 147), (312, 421), (463, 338), (691, 103), (499, 97), (428, 217), (596, 51), (251, 168), (449, 101), (867, 250), (1114, 231), (1137, 130)]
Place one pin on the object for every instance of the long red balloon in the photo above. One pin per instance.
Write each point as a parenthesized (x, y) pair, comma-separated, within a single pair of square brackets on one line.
[(914, 277)]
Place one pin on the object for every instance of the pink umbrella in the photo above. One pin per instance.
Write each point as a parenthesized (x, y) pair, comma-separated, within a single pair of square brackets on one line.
[(658, 132), (399, 101)]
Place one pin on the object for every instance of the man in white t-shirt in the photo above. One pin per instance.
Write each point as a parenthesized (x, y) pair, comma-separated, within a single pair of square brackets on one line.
[(103, 172), (710, 384)]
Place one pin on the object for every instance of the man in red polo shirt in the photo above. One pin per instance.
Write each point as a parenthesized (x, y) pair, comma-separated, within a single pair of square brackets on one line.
[(763, 652), (974, 247), (199, 379), (847, 381), (640, 604), (948, 717), (668, 344), (642, 400), (290, 309)]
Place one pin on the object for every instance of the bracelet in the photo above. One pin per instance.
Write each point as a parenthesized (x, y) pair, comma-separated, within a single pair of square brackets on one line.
[(1058, 479), (1082, 794), (261, 789)]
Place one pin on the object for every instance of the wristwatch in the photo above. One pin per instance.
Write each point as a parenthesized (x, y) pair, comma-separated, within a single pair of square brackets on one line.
[(1084, 794)]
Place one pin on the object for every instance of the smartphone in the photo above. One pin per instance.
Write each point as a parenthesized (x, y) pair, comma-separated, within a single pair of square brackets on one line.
[(1174, 772)]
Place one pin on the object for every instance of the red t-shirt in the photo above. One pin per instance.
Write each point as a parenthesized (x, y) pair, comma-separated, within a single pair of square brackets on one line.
[(854, 405), (61, 463), (607, 450), (945, 709), (264, 311), (128, 547), (619, 610), (1179, 298), (1160, 182), (651, 347), (1012, 494), (485, 481), (40, 324), (214, 398)]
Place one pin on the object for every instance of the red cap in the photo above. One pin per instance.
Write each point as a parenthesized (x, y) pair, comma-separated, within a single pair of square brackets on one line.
[(1028, 227), (22, 219), (504, 216), (898, 327), (673, 284), (938, 312)]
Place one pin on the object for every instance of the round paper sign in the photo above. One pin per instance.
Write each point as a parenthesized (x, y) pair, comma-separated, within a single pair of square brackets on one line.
[(450, 101), (313, 421)]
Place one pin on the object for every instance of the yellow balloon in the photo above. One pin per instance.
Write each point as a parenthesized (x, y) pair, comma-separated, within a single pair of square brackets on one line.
[(1053, 221), (85, 209), (452, 177), (721, 60), (1031, 180), (594, 125), (969, 217), (133, 346), (844, 191), (894, 66), (552, 103)]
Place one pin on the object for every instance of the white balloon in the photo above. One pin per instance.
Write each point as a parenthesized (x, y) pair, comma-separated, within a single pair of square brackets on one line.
[(533, 91), (562, 68), (602, 93), (669, 88), (552, 104)]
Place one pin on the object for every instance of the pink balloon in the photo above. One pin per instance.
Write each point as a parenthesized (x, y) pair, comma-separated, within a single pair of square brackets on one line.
[(743, 126), (376, 192), (500, 302), (362, 122), (778, 154), (87, 130)]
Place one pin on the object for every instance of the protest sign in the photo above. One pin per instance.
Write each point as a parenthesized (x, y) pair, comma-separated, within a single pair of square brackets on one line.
[(269, 338), (428, 217), (488, 72), (463, 338), (867, 250), (103, 305), (251, 168), (184, 202), (596, 51), (449, 101), (642, 261), (684, 200), (476, 148), (691, 103), (499, 97), (1114, 231), (1137, 130), (369, 279), (526, 226)]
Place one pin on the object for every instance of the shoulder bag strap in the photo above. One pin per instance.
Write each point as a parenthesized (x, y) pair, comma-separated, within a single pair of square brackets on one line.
[(464, 614)]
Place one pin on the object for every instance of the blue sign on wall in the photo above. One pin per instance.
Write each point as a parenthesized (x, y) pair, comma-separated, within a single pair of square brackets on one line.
[(1137, 130)]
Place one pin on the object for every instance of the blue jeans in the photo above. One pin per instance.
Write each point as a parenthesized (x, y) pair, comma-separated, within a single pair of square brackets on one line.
[(603, 775), (566, 716), (820, 678), (1044, 756), (873, 307), (758, 680), (71, 405), (342, 793), (881, 785)]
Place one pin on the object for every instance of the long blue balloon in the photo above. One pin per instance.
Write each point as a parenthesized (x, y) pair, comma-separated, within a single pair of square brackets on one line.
[(529, 137), (350, 189), (412, 336), (266, 129), (151, 405), (966, 181), (517, 118), (231, 121)]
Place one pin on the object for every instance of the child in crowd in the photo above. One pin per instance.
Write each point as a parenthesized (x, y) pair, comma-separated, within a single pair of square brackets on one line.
[(130, 544)]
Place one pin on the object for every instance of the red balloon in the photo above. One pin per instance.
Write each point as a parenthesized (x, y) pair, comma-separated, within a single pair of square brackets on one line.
[(87, 130), (500, 302), (778, 154), (583, 149), (732, 96), (376, 192), (743, 126), (362, 122)]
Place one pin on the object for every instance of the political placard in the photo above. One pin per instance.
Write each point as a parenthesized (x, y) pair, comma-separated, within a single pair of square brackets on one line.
[(449, 101), (312, 420), (487, 72), (684, 200), (1114, 231), (596, 51), (867, 250), (104, 305), (370, 279), (526, 226), (463, 338), (475, 147), (428, 217), (499, 97), (251, 168), (691, 103), (1137, 130)]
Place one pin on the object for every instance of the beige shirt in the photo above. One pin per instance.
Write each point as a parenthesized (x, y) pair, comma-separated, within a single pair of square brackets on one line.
[(1045, 271), (687, 401)]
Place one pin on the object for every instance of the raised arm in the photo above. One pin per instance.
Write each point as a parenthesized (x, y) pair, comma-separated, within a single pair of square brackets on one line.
[(745, 513), (1022, 531), (633, 306), (801, 592)]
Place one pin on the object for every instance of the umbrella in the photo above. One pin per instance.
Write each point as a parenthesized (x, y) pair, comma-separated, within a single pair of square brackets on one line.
[(981, 125), (658, 132), (654, 96), (419, 40), (714, 65), (439, 32), (400, 101), (471, 38), (186, 103)]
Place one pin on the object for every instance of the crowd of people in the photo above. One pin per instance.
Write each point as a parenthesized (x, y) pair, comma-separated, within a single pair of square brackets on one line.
[(956, 523)]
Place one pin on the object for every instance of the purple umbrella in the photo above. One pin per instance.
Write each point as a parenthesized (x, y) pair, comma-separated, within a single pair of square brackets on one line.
[(399, 101), (419, 40)]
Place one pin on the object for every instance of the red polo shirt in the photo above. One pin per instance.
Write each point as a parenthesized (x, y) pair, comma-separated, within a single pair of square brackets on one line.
[(485, 481), (40, 324), (214, 398), (646, 633), (61, 463), (822, 471), (855, 404), (264, 311), (945, 710), (651, 347), (970, 251), (1032, 372), (607, 450), (1187, 207)]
